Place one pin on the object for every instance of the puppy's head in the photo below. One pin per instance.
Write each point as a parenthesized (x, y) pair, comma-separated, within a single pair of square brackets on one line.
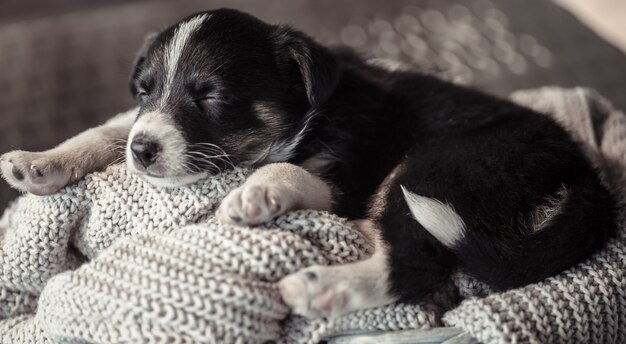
[(220, 88)]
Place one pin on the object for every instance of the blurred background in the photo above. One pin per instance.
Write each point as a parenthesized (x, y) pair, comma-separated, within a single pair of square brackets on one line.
[(64, 64)]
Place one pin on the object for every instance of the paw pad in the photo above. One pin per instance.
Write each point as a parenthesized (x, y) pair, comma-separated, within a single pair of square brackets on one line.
[(37, 173), (252, 204), (17, 173)]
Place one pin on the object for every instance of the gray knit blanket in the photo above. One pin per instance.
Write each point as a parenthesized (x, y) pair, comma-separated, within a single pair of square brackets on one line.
[(113, 259)]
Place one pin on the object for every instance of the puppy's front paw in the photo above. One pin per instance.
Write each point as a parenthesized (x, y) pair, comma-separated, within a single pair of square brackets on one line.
[(317, 291), (38, 173), (252, 204)]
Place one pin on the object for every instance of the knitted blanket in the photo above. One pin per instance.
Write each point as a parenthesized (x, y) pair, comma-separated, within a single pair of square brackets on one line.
[(113, 259)]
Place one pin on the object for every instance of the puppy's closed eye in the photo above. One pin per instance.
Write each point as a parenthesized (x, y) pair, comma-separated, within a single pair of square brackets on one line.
[(205, 102), (142, 94), (206, 99), (143, 89), (203, 95)]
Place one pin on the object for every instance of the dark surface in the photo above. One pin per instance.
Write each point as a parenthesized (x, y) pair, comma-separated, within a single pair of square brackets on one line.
[(64, 73)]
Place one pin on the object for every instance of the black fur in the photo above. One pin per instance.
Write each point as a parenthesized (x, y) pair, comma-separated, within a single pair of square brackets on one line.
[(494, 161)]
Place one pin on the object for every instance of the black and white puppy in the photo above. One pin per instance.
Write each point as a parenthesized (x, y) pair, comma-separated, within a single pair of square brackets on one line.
[(440, 176)]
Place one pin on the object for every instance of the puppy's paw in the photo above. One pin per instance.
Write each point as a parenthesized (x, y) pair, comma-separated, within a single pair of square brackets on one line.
[(252, 204), (317, 291), (38, 173)]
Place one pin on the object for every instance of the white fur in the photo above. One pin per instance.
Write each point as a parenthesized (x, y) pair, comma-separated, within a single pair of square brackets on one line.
[(175, 49), (436, 217), (175, 181), (169, 169), (341, 289), (271, 191), (46, 172)]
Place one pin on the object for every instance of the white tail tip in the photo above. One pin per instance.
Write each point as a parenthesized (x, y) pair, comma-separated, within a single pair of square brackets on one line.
[(438, 218)]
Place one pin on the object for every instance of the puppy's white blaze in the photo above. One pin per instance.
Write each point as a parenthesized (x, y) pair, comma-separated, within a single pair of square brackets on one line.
[(436, 217), (174, 50)]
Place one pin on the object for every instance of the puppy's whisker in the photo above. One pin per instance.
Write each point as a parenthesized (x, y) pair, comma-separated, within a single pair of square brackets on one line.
[(117, 148), (117, 143), (209, 156), (208, 144), (221, 154), (263, 154), (209, 148), (201, 159), (118, 160), (210, 152), (216, 69), (197, 169)]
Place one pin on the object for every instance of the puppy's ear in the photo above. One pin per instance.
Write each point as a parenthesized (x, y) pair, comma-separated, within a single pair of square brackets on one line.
[(140, 59), (316, 65)]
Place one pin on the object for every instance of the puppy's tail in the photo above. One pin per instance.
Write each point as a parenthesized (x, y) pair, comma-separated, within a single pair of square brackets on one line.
[(438, 218), (566, 230)]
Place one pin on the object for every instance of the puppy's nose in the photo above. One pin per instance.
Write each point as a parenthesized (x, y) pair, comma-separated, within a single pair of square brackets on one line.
[(145, 152), (17, 173)]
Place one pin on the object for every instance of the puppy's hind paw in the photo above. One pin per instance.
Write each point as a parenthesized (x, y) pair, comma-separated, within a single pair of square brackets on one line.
[(314, 292), (37, 173)]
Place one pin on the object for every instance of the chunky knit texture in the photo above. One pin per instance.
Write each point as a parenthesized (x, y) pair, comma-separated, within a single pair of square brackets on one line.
[(112, 259)]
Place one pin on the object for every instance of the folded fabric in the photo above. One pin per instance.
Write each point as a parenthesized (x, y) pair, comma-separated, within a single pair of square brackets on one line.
[(113, 259)]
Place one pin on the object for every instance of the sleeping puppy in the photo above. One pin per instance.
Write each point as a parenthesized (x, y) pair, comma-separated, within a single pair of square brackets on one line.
[(439, 176)]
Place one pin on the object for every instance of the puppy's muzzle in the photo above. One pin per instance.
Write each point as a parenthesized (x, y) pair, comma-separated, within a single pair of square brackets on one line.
[(145, 151)]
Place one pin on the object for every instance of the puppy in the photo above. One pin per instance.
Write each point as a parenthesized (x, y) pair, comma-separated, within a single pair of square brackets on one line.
[(440, 177)]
